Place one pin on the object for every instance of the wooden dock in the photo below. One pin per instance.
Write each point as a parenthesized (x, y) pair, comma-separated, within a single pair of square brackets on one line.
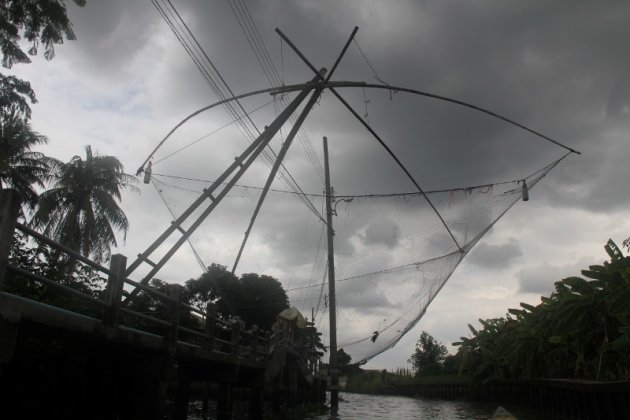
[(107, 360)]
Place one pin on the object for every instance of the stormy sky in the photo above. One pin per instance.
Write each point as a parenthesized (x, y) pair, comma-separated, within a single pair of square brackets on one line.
[(561, 68)]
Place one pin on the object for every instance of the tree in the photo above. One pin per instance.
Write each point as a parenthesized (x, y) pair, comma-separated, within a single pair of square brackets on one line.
[(39, 21), (217, 285), (428, 356), (81, 210), (345, 365), (261, 299), (21, 168), (256, 299), (581, 331), (37, 260), (15, 95)]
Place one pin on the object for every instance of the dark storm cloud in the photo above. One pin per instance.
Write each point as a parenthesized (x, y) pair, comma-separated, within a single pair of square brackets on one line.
[(110, 33), (555, 69), (495, 256)]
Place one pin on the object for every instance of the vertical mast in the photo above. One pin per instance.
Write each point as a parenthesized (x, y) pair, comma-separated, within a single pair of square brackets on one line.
[(332, 307)]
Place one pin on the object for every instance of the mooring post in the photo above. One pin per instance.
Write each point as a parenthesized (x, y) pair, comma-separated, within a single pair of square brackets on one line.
[(292, 385), (225, 401), (10, 203), (256, 403), (114, 289), (182, 394)]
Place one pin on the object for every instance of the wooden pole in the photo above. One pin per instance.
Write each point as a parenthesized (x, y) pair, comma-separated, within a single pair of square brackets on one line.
[(272, 175), (115, 283), (332, 307), (175, 292), (9, 211), (240, 166)]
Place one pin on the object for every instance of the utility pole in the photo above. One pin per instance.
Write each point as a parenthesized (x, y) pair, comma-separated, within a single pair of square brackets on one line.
[(332, 307)]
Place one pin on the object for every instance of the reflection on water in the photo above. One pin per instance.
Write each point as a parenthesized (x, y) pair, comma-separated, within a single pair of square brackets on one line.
[(362, 406)]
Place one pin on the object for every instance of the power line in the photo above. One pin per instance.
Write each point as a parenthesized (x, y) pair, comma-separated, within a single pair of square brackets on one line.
[(220, 87), (258, 47)]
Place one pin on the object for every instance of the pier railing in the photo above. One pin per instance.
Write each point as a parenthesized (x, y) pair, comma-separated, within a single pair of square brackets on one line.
[(203, 329)]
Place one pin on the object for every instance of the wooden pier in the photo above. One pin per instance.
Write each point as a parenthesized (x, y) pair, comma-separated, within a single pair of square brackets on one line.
[(97, 362)]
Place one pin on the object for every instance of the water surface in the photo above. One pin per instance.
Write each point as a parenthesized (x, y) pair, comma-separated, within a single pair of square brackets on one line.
[(363, 406)]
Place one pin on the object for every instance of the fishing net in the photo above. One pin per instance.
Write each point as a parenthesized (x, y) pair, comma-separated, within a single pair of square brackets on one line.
[(392, 253)]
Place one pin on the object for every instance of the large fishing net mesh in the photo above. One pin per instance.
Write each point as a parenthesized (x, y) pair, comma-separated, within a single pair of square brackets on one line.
[(392, 252)]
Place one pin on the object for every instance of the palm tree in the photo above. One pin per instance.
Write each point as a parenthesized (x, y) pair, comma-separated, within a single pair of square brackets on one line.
[(21, 168), (81, 209)]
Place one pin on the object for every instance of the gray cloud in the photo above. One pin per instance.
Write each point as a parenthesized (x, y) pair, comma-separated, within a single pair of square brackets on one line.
[(382, 232), (496, 256), (540, 278)]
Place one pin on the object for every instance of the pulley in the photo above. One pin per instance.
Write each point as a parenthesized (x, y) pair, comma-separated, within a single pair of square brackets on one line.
[(147, 174), (525, 191)]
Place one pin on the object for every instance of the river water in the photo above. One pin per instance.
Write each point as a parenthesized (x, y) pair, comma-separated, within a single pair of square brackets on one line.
[(363, 406)]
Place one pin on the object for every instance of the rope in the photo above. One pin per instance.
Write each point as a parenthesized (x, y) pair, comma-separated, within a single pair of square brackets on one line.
[(359, 196), (203, 266)]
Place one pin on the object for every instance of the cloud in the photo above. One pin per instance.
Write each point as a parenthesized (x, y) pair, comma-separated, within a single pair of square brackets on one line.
[(540, 278), (382, 232), (498, 256)]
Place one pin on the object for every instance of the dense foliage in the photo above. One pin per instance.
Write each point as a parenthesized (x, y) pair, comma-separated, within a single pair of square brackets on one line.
[(81, 209), (581, 331), (38, 21), (21, 168), (40, 260), (37, 259), (256, 299), (428, 356)]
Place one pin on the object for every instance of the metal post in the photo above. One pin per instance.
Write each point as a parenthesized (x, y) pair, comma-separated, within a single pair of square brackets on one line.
[(9, 210), (332, 307)]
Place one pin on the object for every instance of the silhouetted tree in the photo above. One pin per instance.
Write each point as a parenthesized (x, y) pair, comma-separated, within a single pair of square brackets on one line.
[(256, 299), (81, 209), (38, 21), (428, 355), (20, 167), (582, 330)]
